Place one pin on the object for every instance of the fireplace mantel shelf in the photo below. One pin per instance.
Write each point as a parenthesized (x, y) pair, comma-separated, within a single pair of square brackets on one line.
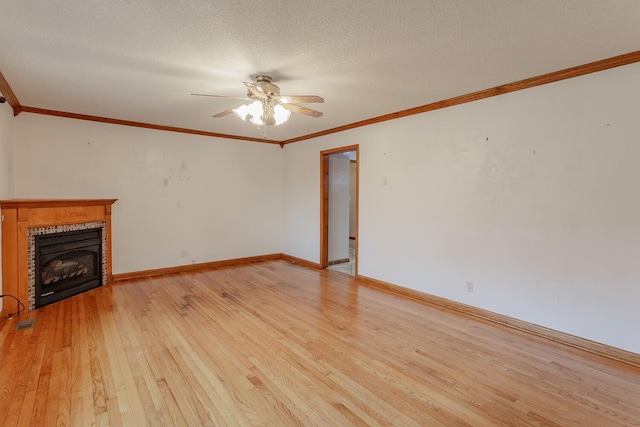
[(19, 215), (49, 203)]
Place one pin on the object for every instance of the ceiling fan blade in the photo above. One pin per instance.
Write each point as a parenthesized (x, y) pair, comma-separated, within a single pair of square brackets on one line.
[(304, 99), (220, 96), (224, 113), (302, 110), (255, 89)]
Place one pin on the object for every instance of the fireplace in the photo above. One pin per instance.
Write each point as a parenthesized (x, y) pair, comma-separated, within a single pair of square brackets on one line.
[(66, 264), (73, 249)]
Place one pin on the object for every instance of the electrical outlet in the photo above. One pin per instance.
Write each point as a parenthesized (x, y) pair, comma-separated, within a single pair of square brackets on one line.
[(184, 253), (469, 286)]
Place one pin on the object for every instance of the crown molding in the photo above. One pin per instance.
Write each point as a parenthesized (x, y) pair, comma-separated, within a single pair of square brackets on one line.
[(568, 73), (56, 113), (11, 98)]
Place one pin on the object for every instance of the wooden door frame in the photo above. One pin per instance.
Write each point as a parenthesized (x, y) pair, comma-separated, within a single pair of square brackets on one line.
[(324, 201)]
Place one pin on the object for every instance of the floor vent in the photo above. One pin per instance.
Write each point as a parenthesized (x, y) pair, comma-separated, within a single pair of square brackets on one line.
[(25, 324)]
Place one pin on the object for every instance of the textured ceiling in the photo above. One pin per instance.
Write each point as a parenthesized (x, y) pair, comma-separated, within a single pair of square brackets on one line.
[(140, 60)]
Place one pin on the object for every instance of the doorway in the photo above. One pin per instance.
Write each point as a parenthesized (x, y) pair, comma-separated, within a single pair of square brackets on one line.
[(339, 169)]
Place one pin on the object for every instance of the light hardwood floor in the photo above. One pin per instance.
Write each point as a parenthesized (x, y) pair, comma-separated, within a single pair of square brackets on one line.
[(275, 344)]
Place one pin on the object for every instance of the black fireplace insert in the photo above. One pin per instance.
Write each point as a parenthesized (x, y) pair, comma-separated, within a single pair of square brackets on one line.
[(67, 264)]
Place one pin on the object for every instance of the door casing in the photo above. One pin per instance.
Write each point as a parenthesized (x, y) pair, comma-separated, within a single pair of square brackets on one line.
[(324, 202)]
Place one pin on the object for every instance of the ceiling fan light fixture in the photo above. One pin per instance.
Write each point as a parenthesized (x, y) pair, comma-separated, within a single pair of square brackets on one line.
[(281, 114), (256, 121), (241, 112), (254, 110), (267, 107)]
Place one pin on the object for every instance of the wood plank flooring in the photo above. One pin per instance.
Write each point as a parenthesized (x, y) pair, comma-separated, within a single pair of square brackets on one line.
[(275, 344)]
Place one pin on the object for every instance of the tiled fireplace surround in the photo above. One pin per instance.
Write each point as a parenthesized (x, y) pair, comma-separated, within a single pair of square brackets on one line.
[(22, 220), (33, 232)]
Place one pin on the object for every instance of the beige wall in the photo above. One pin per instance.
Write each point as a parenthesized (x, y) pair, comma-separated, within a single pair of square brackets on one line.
[(215, 199), (532, 196), (6, 162), (6, 151)]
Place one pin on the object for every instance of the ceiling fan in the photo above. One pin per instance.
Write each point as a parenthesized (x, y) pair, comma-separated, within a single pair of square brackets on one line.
[(268, 106)]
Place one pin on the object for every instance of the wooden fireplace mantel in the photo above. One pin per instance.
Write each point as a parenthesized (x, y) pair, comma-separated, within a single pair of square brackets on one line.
[(19, 215)]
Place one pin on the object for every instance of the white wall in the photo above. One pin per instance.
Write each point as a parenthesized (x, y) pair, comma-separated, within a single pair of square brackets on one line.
[(223, 199), (532, 196), (6, 163)]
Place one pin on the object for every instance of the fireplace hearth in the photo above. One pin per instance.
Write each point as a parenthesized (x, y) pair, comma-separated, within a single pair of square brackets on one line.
[(66, 264)]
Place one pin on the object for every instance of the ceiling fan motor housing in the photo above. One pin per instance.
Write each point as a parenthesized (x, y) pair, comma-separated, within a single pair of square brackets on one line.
[(267, 85)]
